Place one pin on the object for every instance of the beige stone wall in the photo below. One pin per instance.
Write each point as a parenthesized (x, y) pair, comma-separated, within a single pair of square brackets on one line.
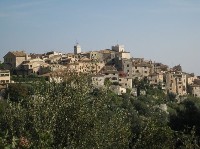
[(196, 91), (181, 84), (141, 72), (87, 67), (4, 77), (19, 61), (96, 55), (170, 83), (126, 55), (125, 82), (190, 80), (176, 83), (156, 79), (35, 66)]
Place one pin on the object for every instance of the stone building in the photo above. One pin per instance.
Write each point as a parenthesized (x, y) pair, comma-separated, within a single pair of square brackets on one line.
[(125, 82), (4, 76), (118, 48), (35, 66), (110, 73), (141, 70), (195, 90), (14, 59), (176, 83), (155, 78), (77, 49)]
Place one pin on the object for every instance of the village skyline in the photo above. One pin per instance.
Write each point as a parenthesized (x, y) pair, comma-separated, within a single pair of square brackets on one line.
[(115, 66), (172, 64)]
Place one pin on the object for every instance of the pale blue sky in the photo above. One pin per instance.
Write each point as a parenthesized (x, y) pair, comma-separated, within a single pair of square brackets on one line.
[(166, 31)]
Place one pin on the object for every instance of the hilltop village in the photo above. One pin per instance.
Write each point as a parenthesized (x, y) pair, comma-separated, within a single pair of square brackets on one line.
[(115, 66)]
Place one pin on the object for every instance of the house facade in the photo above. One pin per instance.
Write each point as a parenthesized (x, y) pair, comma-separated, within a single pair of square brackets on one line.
[(14, 59), (195, 90), (176, 83), (4, 76)]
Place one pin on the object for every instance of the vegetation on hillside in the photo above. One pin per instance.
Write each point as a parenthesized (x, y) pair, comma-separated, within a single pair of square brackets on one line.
[(73, 114)]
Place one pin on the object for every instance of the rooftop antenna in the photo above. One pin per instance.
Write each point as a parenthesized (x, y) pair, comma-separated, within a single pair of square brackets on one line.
[(76, 42)]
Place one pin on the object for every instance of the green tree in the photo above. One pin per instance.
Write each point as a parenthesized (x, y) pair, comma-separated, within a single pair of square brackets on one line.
[(17, 91), (66, 115)]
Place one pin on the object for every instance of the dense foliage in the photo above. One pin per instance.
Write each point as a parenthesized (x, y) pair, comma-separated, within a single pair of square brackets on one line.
[(72, 114)]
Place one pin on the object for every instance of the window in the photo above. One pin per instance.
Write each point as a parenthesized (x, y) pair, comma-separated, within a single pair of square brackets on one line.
[(127, 70), (145, 71), (135, 67), (114, 78), (127, 65), (184, 88)]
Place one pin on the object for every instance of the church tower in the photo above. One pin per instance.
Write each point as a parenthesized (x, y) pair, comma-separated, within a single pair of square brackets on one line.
[(77, 49)]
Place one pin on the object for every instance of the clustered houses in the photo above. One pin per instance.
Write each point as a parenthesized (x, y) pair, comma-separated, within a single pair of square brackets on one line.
[(109, 67)]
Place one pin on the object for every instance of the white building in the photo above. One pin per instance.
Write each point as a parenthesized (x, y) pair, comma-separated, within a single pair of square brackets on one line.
[(4, 76), (118, 48), (77, 49)]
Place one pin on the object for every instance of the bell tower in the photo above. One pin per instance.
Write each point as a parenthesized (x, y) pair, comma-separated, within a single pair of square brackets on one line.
[(77, 48)]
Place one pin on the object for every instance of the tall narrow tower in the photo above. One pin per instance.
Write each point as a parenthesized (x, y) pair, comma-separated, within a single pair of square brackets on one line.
[(77, 49)]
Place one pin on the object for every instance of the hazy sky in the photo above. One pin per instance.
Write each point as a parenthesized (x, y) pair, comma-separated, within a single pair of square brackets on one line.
[(166, 31)]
